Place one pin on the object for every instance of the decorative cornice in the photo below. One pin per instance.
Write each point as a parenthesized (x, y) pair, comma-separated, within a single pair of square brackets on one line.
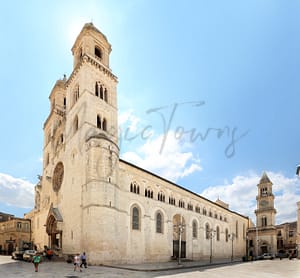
[(89, 59)]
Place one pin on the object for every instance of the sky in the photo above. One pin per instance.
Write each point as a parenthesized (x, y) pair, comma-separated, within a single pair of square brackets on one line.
[(208, 92)]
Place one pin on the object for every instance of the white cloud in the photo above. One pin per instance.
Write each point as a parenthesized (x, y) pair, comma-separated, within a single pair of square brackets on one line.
[(241, 194), (130, 120), (169, 159), (16, 191)]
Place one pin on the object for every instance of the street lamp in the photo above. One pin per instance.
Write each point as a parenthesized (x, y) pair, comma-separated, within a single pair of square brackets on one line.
[(231, 237), (211, 235), (181, 228)]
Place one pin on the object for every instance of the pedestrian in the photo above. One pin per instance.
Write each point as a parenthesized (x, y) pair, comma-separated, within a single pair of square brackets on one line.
[(77, 262), (49, 254), (36, 261), (83, 260)]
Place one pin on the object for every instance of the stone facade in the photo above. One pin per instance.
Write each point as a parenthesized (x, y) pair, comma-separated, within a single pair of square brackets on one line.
[(88, 199), (14, 232), (267, 237)]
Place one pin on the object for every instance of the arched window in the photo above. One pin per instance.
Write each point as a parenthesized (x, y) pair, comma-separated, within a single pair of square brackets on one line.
[(161, 196), (135, 218), (264, 221), (99, 124), (195, 229), (149, 193), (218, 233), (104, 126), (76, 94), (134, 188), (98, 52), (236, 229), (207, 231), (158, 222), (101, 92), (226, 235), (105, 94), (75, 124), (96, 89), (204, 211)]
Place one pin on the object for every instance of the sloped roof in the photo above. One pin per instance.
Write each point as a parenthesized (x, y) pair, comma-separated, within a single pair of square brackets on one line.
[(265, 178)]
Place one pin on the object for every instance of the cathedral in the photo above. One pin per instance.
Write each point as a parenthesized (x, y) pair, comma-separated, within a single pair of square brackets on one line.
[(89, 199)]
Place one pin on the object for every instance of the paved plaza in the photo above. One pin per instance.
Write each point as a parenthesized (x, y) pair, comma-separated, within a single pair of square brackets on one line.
[(258, 269)]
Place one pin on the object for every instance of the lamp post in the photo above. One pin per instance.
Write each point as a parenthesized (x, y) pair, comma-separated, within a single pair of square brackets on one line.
[(231, 236), (211, 235), (180, 227)]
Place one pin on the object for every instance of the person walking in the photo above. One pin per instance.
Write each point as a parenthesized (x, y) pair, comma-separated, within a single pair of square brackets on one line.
[(77, 262), (83, 260), (36, 261)]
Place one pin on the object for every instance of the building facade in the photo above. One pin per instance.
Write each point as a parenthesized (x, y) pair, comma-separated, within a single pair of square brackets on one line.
[(88, 199), (14, 233), (266, 237)]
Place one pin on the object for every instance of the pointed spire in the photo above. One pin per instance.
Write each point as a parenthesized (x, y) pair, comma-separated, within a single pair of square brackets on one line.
[(265, 178)]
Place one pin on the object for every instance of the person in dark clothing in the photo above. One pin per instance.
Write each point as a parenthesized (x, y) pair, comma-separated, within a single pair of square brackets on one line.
[(83, 260)]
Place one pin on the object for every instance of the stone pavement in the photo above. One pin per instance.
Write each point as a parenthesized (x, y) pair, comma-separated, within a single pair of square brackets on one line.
[(262, 269), (172, 265)]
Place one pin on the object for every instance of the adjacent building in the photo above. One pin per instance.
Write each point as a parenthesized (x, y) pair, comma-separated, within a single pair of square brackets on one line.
[(14, 232), (88, 199), (266, 237)]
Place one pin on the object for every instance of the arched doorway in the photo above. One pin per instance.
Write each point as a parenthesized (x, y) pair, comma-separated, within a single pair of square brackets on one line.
[(53, 229), (179, 235), (264, 247)]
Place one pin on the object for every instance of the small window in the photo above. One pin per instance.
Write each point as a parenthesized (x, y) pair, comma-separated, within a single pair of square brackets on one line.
[(264, 221), (98, 52), (135, 219), (99, 124), (96, 90), (134, 188), (105, 94), (218, 233), (104, 124), (207, 231), (158, 223), (226, 235), (194, 229), (101, 92)]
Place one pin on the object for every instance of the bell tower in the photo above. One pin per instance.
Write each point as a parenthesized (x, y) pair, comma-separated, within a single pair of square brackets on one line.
[(265, 213), (92, 152)]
